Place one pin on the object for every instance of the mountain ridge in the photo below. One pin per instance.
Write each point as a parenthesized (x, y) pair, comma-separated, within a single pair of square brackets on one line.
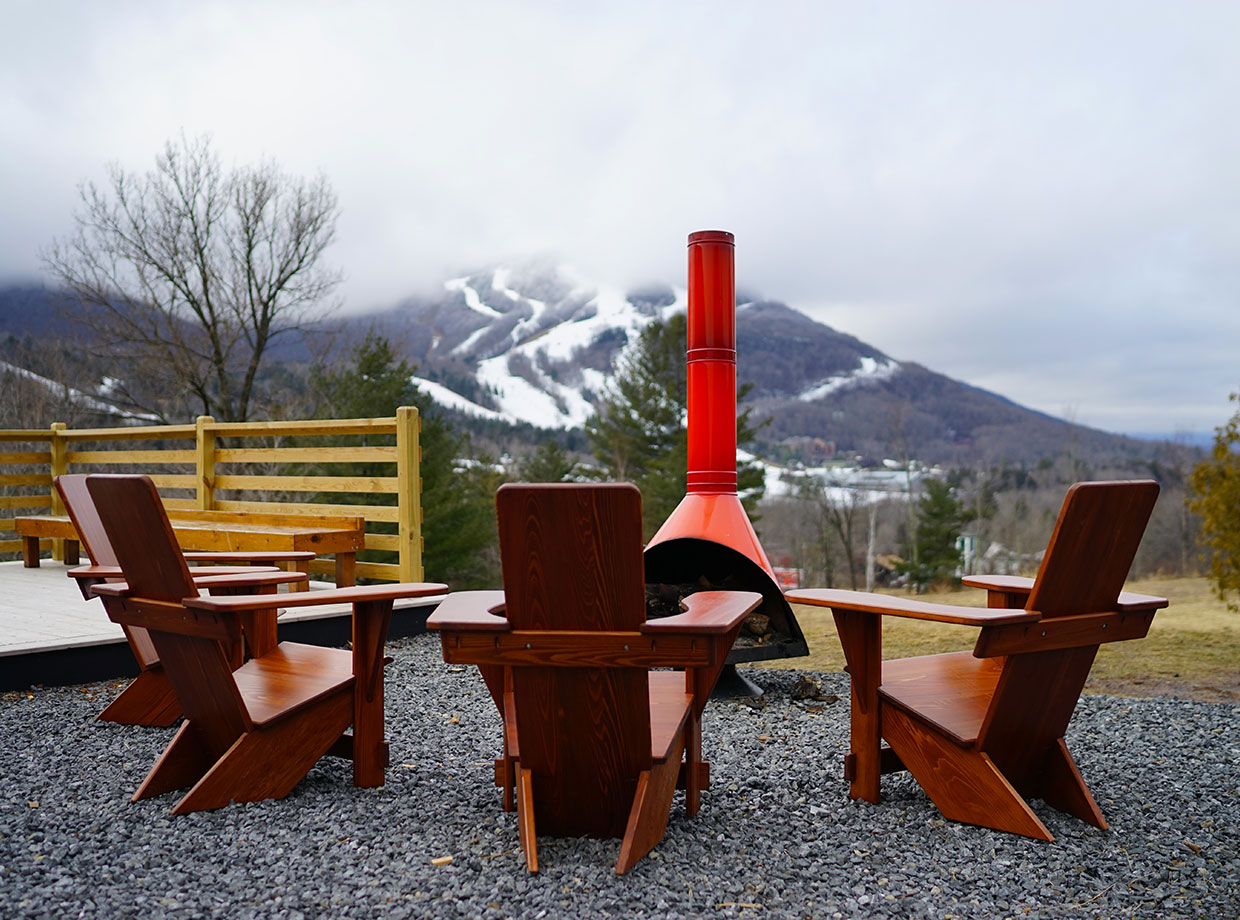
[(818, 391), (531, 343)]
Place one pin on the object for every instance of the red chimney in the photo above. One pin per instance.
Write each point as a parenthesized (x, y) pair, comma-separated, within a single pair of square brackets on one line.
[(709, 537)]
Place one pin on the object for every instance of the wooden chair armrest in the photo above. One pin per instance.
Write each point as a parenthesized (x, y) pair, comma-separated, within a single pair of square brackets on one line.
[(111, 589), (241, 558), (211, 571), (198, 572), (248, 579), (1130, 600), (904, 607), (1009, 584), (706, 613), (359, 594), (474, 611), (96, 571), (1023, 584)]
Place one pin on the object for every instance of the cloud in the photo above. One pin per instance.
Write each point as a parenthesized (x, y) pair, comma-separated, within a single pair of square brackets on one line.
[(941, 180)]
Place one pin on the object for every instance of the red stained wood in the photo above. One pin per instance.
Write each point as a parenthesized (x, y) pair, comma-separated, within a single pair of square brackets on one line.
[(906, 607), (1062, 786), (861, 637), (471, 610), (147, 700), (252, 733), (1064, 632), (594, 743), (290, 677), (350, 595), (952, 692), (707, 613), (965, 785), (982, 732), (579, 649), (1092, 546)]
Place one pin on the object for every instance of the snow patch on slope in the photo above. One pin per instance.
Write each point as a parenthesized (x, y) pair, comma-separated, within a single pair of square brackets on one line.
[(871, 370), (544, 317), (472, 300), (82, 399), (450, 399)]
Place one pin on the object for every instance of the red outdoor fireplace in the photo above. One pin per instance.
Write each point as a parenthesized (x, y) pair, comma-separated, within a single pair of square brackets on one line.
[(709, 542)]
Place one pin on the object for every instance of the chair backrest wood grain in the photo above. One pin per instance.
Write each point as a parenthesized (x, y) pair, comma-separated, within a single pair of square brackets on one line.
[(81, 508), (197, 666), (572, 560), (142, 539), (1092, 547), (572, 555), (1090, 552)]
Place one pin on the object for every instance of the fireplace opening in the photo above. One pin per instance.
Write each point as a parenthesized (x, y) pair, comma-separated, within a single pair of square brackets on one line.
[(680, 567)]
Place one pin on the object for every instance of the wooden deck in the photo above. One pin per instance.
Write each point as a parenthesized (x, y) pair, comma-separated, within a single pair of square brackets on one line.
[(50, 635)]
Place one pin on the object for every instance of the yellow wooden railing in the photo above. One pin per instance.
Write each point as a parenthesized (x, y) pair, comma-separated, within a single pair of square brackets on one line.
[(239, 466)]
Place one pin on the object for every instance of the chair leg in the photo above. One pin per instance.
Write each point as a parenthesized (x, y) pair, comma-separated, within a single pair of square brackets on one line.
[(862, 640), (182, 764), (370, 626), (652, 806), (525, 818), (148, 700), (267, 762), (506, 778), (693, 762), (964, 784), (1064, 788)]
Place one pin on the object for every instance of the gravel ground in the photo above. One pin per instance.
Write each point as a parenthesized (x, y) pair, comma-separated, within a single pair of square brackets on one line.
[(777, 835)]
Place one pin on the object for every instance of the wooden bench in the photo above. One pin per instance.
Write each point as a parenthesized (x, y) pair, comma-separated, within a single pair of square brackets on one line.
[(227, 531)]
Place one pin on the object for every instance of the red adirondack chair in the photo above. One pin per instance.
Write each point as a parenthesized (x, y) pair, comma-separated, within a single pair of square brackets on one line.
[(982, 731), (252, 733), (148, 699), (595, 741)]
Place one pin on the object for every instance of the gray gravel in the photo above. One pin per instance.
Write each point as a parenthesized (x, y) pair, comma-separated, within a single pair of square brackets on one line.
[(777, 835)]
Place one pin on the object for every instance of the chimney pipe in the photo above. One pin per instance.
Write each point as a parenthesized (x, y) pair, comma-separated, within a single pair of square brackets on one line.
[(711, 509)]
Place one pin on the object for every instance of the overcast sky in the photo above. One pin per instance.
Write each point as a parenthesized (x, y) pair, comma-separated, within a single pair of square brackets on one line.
[(1042, 199)]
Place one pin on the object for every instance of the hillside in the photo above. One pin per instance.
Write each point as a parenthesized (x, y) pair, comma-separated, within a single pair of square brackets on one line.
[(529, 344)]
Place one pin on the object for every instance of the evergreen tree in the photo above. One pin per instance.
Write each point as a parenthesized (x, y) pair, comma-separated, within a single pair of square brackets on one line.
[(1215, 486), (638, 431), (549, 463), (934, 556), (457, 512)]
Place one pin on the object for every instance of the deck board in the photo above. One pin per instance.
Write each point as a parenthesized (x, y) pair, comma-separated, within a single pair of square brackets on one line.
[(42, 612)]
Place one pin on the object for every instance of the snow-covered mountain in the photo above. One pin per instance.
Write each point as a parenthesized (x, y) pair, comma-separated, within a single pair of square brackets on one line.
[(527, 343), (533, 342), (542, 344)]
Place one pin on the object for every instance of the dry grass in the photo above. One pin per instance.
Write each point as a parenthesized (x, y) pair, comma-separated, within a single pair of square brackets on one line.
[(1193, 649)]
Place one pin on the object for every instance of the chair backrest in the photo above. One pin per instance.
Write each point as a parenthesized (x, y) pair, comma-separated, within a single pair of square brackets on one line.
[(81, 508), (1090, 552), (137, 527), (572, 555), (189, 647), (1092, 547), (572, 560)]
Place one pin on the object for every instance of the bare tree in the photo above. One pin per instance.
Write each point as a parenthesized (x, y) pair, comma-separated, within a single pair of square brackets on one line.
[(838, 506), (189, 273)]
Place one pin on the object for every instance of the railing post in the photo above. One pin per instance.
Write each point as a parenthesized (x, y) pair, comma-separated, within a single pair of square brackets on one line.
[(409, 492), (59, 448), (204, 462)]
